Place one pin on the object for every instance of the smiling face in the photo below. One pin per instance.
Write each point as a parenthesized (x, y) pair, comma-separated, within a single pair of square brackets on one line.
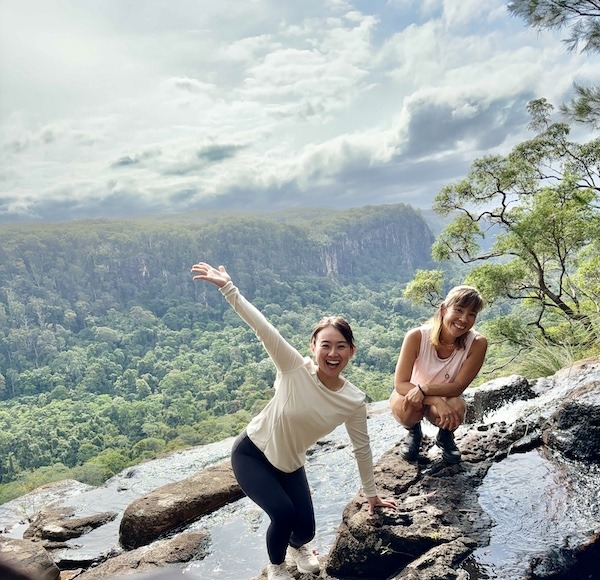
[(331, 352), (456, 321), (456, 316)]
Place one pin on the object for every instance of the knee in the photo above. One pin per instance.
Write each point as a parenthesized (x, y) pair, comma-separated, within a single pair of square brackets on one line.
[(407, 416), (283, 515), (397, 414), (459, 405), (396, 404)]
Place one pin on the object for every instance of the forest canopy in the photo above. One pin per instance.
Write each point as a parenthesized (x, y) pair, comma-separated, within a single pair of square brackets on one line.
[(110, 353)]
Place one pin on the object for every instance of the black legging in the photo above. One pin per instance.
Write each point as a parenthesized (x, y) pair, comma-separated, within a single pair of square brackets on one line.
[(285, 497)]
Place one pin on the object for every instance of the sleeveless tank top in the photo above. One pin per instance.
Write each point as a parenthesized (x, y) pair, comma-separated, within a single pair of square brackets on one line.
[(430, 368)]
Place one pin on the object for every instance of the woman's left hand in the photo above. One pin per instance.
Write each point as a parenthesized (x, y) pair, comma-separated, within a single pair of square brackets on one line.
[(376, 501), (449, 418)]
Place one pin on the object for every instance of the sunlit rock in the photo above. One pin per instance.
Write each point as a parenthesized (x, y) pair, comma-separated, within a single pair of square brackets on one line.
[(173, 505)]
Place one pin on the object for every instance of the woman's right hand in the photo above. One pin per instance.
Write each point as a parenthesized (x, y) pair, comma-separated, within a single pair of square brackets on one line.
[(204, 271), (415, 398)]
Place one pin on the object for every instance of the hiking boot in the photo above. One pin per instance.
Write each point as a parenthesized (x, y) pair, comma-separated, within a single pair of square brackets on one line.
[(412, 443), (278, 572), (305, 560), (445, 441)]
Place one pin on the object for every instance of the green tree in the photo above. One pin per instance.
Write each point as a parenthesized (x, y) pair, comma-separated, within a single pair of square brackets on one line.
[(584, 107), (541, 203), (426, 286), (582, 17), (147, 448), (110, 461)]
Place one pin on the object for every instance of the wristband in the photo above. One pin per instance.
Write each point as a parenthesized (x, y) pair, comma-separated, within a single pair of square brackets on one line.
[(420, 389)]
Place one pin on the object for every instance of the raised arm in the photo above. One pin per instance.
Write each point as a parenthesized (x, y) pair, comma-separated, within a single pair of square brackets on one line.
[(204, 271), (285, 356)]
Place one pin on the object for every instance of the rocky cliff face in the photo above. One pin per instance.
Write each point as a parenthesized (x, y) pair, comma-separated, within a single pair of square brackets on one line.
[(389, 241), (398, 239), (522, 504)]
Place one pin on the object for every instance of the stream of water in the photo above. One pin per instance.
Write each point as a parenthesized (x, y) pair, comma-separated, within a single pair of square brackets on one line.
[(525, 495), (535, 504)]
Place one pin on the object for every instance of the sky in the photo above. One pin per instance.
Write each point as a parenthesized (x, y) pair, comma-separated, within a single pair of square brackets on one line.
[(124, 108)]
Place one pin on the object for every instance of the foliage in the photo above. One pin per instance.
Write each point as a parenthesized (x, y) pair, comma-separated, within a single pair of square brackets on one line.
[(584, 107), (110, 354), (426, 286), (541, 203), (583, 19), (582, 16), (514, 351)]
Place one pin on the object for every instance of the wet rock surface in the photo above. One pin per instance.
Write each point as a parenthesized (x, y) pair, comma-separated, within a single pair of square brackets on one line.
[(441, 528), (439, 521), (172, 506), (155, 557), (54, 525)]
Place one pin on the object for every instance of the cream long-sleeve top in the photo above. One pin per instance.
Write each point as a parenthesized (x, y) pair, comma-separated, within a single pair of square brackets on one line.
[(302, 409)]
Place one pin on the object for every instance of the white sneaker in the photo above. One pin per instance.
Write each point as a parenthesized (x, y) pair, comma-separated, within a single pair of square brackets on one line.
[(305, 560), (278, 572)]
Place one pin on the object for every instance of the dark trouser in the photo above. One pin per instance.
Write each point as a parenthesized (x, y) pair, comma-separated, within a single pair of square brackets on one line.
[(285, 497)]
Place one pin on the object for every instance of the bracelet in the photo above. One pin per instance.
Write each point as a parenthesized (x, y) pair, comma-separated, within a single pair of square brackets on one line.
[(420, 389)]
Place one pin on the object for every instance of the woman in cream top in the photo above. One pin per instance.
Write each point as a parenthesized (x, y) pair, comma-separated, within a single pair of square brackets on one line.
[(311, 398)]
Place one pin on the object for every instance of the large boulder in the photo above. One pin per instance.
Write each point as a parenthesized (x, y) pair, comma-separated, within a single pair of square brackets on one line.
[(173, 505), (425, 524), (439, 522), (25, 559), (496, 393), (574, 428), (153, 558)]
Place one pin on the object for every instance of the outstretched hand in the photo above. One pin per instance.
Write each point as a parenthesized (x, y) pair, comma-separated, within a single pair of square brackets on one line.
[(204, 271), (376, 501)]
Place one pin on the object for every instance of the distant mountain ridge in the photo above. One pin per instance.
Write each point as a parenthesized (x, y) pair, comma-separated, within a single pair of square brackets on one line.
[(377, 242), (130, 261)]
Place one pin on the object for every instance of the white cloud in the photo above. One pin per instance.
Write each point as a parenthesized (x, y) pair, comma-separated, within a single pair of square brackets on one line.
[(259, 103), (464, 12)]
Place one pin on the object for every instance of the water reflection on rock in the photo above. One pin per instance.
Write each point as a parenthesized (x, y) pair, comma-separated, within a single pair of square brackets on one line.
[(535, 501)]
